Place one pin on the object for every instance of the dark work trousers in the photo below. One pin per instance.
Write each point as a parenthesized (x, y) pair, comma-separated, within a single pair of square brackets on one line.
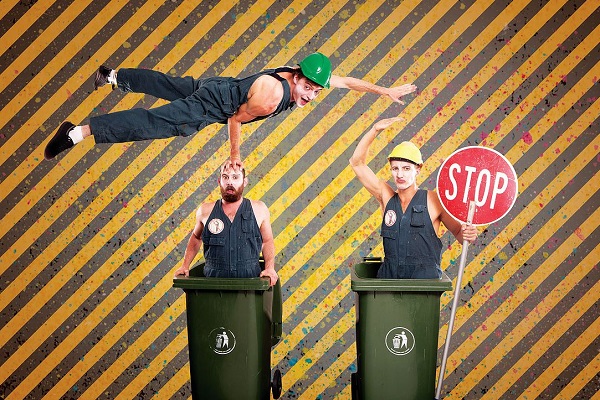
[(194, 104)]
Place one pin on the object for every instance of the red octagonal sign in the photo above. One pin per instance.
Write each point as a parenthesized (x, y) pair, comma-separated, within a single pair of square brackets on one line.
[(478, 174)]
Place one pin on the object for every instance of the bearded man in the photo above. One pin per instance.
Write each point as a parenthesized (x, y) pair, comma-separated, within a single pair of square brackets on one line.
[(237, 230)]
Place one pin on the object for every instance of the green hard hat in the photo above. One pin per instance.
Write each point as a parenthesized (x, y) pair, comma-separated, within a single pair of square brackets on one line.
[(317, 68)]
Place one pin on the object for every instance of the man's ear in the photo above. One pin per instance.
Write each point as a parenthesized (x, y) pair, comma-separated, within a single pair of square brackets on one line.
[(245, 182)]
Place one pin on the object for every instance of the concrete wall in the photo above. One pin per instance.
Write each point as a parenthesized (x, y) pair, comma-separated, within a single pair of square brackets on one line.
[(89, 241)]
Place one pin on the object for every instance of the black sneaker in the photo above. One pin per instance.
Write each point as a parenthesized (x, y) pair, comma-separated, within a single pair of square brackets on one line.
[(60, 142), (101, 77)]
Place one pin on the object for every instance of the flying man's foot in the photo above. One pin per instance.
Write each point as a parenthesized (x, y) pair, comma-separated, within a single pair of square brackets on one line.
[(102, 77), (60, 142)]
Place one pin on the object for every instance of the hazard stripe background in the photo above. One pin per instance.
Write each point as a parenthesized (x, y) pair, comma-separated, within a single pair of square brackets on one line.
[(89, 241)]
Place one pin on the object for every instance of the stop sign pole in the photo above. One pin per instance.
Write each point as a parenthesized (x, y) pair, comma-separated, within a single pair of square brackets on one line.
[(473, 179), (461, 269)]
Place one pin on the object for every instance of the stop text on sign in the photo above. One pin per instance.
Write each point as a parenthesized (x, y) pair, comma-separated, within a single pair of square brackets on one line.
[(480, 175), (482, 186)]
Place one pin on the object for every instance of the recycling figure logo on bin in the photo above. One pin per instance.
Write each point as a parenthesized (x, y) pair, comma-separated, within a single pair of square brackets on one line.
[(400, 341), (223, 340)]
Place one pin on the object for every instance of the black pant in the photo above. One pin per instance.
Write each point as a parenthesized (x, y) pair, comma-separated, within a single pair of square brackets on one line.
[(194, 104)]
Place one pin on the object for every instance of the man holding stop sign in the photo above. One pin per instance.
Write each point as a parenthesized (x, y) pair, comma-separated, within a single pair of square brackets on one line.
[(411, 216)]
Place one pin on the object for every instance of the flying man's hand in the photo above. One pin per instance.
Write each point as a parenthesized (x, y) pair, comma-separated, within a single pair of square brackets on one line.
[(397, 92), (234, 164)]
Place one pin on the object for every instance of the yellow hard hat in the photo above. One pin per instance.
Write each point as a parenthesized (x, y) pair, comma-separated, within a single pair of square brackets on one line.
[(407, 151)]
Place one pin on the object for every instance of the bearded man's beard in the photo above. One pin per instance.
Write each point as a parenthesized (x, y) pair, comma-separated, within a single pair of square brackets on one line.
[(230, 194)]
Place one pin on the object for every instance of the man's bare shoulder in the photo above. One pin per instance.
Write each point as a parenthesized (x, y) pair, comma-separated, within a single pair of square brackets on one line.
[(259, 205), (205, 209), (266, 86), (264, 96), (433, 197), (261, 211), (386, 192), (434, 205)]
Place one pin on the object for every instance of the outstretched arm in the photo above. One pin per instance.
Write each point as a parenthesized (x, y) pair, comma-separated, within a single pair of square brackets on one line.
[(234, 128), (245, 113), (394, 93), (358, 161), (263, 97)]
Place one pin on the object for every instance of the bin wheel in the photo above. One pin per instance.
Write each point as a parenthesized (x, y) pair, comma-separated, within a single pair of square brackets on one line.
[(276, 384)]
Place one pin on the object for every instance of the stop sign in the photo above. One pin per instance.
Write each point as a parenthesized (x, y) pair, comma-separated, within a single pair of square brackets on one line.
[(478, 174)]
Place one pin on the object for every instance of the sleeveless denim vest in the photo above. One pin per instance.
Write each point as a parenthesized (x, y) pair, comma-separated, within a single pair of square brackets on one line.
[(411, 246), (231, 249), (244, 85)]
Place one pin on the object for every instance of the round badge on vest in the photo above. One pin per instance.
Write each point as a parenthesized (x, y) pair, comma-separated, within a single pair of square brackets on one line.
[(390, 217), (216, 226)]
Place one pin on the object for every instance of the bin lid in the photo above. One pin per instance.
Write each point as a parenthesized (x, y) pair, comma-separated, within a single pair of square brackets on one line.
[(364, 278), (197, 281)]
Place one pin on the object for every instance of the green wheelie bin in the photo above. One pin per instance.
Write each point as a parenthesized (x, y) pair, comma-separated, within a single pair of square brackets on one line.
[(397, 328), (232, 324)]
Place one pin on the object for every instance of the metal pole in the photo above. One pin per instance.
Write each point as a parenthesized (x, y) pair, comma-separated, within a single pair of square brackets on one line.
[(461, 268)]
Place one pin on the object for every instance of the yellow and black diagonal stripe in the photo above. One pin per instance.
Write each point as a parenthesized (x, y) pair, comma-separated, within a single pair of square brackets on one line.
[(89, 241)]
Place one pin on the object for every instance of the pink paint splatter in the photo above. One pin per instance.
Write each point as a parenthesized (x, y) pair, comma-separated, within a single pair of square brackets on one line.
[(527, 138)]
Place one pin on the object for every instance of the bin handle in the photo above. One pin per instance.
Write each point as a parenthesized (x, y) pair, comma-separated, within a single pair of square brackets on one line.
[(276, 314)]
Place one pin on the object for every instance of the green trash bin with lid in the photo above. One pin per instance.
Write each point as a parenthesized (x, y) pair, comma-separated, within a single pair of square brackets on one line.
[(232, 324), (397, 328)]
